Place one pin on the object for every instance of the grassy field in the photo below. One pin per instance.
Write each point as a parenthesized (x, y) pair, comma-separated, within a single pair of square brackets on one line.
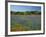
[(25, 22)]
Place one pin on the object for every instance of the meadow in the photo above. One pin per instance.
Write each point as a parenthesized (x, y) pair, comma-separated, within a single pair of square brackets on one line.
[(25, 21)]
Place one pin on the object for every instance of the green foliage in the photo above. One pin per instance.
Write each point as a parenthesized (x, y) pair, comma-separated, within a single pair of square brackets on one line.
[(26, 13)]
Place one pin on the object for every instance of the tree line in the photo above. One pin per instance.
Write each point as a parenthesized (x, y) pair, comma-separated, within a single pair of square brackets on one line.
[(26, 13)]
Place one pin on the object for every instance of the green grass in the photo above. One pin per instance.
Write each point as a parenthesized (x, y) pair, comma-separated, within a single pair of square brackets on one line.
[(19, 27), (23, 27)]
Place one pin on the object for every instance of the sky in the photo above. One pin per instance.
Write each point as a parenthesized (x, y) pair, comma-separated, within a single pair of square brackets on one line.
[(24, 8)]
